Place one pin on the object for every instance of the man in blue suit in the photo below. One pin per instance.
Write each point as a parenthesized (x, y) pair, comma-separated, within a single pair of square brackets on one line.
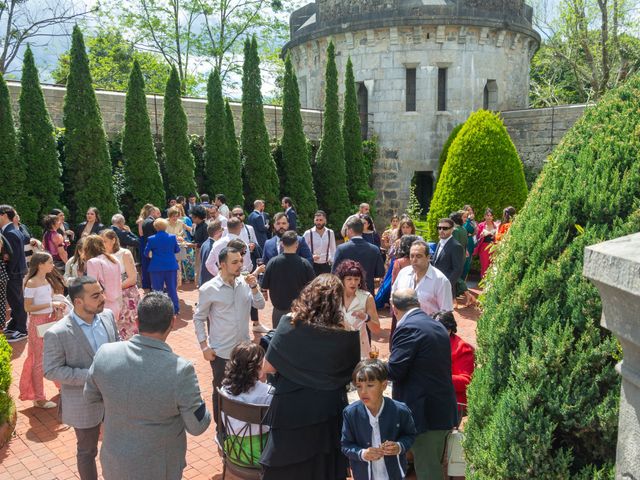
[(292, 216), (420, 368), (16, 268), (363, 252), (260, 223), (272, 247)]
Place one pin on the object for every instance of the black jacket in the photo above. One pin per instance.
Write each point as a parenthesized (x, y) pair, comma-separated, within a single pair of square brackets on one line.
[(127, 239), (450, 261), (97, 227), (366, 254)]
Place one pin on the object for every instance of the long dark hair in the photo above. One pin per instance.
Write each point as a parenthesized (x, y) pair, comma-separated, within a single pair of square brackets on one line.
[(320, 303), (243, 368), (53, 277)]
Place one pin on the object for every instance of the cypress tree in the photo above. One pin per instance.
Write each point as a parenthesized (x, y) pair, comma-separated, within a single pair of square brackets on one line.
[(215, 173), (260, 176), (179, 159), (357, 175), (330, 174), (142, 173), (233, 167), (296, 170), (37, 147), (12, 168), (445, 149), (86, 153)]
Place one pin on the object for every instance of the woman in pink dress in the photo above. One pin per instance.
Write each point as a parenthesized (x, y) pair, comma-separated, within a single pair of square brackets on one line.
[(105, 268), (486, 237), (54, 243)]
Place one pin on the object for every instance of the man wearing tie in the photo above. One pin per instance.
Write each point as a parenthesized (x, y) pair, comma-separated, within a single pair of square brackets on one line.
[(258, 220)]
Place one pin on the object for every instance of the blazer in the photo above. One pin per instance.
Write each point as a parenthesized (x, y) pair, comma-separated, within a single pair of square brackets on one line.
[(97, 227), (366, 254), (127, 239), (164, 247), (151, 398), (292, 216), (66, 359), (205, 250), (17, 264), (271, 249), (259, 223), (396, 424), (420, 368), (450, 261)]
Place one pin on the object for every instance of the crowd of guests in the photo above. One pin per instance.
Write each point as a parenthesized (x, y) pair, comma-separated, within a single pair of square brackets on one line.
[(80, 290)]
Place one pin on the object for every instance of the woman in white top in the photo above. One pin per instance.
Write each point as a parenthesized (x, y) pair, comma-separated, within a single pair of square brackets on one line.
[(359, 306), (43, 281), (126, 322)]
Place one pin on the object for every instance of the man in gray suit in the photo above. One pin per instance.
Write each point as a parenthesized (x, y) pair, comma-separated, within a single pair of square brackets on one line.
[(151, 396), (69, 348)]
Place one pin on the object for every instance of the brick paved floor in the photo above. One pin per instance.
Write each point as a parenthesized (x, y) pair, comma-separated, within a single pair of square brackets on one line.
[(43, 449)]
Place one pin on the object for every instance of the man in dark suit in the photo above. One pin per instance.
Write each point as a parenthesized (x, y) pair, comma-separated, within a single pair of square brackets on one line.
[(292, 216), (16, 268), (260, 222), (272, 247), (126, 237), (420, 368), (449, 256), (363, 252), (214, 230)]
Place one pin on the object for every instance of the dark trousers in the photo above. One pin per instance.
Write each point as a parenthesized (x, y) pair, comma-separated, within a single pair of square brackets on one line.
[(321, 268), (144, 265), (277, 315), (87, 439), (217, 367), (15, 298), (254, 314), (167, 279)]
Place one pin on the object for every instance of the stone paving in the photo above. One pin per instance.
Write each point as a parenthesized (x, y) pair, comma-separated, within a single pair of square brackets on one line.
[(43, 449)]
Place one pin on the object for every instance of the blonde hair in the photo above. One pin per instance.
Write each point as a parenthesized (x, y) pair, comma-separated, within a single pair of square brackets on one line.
[(146, 210), (173, 211), (160, 224)]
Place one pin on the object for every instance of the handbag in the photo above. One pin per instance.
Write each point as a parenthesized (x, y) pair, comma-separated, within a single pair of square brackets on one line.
[(454, 454)]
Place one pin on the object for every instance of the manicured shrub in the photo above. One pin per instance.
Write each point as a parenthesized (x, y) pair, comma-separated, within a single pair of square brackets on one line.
[(482, 169), (233, 168), (295, 168), (330, 173), (445, 149), (216, 174), (5, 379), (87, 164), (543, 402)]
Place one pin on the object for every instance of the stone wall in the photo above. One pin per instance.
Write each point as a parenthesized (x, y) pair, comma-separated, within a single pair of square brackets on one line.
[(536, 132), (112, 106)]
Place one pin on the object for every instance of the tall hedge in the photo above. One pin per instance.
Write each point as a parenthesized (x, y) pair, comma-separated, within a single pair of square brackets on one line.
[(260, 176), (12, 167), (6, 404), (142, 173), (296, 170), (37, 149), (87, 163), (215, 172), (482, 169), (445, 149), (543, 402), (330, 174), (180, 165), (233, 164)]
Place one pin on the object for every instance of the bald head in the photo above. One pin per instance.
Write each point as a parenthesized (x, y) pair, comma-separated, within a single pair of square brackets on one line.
[(404, 300)]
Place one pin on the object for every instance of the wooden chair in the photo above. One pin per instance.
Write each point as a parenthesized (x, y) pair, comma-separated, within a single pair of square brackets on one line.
[(244, 464)]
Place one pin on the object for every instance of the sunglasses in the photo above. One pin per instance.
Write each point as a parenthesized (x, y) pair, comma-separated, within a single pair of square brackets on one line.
[(444, 228)]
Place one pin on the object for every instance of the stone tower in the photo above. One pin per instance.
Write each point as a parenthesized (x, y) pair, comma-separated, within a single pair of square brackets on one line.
[(421, 67)]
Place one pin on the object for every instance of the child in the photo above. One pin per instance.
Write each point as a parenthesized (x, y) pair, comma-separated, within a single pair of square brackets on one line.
[(377, 431)]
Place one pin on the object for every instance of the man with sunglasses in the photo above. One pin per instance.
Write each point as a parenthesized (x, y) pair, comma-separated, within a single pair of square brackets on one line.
[(449, 255)]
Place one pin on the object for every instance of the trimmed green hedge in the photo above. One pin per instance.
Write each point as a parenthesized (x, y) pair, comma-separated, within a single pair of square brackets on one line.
[(543, 402), (482, 169), (445, 149), (5, 379)]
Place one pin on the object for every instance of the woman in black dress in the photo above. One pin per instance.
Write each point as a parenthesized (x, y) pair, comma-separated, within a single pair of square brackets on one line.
[(312, 356)]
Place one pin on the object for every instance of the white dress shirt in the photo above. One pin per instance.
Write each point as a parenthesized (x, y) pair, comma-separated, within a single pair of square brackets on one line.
[(248, 235), (322, 245), (224, 210), (378, 467), (440, 248), (433, 289), (212, 259)]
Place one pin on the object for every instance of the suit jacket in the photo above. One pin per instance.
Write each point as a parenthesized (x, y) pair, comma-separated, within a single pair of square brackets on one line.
[(366, 254), (66, 359), (151, 396), (259, 223), (271, 249), (164, 247), (292, 216), (17, 264), (205, 250), (396, 424), (97, 227), (450, 261), (420, 367), (127, 239)]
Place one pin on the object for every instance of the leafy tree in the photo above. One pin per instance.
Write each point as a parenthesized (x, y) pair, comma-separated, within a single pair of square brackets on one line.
[(180, 165), (12, 168), (543, 402), (233, 162), (143, 181), (296, 170), (482, 169), (110, 58), (215, 147), (260, 176), (445, 149), (357, 175), (330, 174), (88, 167), (37, 147)]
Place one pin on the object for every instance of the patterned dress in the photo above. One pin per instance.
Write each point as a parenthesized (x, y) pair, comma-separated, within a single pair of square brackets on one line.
[(126, 322)]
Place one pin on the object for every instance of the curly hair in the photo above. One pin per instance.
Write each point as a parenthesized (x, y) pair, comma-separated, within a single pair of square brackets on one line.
[(404, 248), (320, 303), (351, 268), (243, 368)]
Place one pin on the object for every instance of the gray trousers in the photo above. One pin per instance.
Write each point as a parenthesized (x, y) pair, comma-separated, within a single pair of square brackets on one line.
[(87, 441), (276, 315)]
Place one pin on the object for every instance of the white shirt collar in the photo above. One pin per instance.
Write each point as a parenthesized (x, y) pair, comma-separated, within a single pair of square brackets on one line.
[(405, 316), (357, 236), (443, 241), (374, 420)]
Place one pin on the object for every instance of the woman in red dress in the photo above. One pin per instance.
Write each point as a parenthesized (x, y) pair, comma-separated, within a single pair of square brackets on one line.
[(486, 237)]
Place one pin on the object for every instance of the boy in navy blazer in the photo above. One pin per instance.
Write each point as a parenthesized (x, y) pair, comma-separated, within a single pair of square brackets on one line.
[(376, 431)]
